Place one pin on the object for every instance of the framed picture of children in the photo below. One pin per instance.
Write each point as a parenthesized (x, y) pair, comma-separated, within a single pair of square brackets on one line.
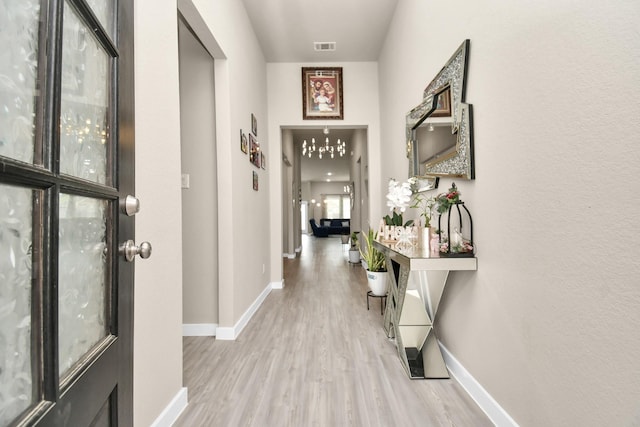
[(322, 93)]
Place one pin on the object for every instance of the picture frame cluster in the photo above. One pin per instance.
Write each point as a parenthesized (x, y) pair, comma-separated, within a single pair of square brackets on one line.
[(250, 145)]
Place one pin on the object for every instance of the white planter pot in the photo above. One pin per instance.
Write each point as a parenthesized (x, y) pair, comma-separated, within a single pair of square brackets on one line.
[(377, 282), (354, 256)]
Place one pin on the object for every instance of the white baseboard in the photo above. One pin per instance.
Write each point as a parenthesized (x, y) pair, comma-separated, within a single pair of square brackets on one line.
[(171, 413), (231, 334), (225, 334), (211, 329), (494, 411), (199, 329), (290, 256)]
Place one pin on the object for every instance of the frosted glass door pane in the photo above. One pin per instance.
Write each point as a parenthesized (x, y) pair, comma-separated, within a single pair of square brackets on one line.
[(16, 382), (83, 268), (85, 102), (103, 9), (19, 23)]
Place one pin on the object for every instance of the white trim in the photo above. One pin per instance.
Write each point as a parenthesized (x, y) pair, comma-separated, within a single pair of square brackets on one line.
[(173, 410), (489, 406), (231, 334), (290, 256), (277, 285), (225, 334), (199, 329), (299, 249)]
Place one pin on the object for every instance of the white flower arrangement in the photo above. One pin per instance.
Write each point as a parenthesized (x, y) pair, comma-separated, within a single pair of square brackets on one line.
[(398, 199)]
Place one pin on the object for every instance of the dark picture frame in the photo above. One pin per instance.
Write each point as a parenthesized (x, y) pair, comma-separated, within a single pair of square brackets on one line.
[(443, 109), (254, 125), (322, 93), (244, 146), (254, 151), (255, 180), (262, 160)]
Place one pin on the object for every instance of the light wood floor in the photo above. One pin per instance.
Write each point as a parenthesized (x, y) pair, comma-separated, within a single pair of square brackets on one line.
[(314, 356)]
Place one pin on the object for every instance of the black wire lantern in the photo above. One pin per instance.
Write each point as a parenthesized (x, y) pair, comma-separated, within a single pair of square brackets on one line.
[(456, 240)]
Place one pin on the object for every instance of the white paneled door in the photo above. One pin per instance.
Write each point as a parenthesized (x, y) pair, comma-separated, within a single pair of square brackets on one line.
[(66, 167)]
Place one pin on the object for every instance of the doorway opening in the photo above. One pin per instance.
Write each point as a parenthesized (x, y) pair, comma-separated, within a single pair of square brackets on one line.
[(200, 291), (317, 185)]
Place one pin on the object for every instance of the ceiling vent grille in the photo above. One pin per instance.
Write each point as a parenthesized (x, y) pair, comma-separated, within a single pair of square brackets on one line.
[(324, 46)]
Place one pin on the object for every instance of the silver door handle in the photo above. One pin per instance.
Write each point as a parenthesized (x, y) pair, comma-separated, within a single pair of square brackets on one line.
[(129, 249), (130, 205)]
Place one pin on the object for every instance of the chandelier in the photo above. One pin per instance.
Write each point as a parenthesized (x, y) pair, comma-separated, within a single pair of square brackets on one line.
[(325, 149)]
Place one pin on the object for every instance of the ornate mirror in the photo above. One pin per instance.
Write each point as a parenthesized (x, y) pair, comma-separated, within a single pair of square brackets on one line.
[(440, 129)]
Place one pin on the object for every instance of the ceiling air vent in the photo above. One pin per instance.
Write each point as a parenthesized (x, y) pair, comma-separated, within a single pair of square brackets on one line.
[(324, 46)]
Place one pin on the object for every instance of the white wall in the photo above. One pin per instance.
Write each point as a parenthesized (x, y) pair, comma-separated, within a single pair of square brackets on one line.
[(240, 73), (361, 109), (357, 168), (158, 280), (306, 190), (288, 181), (243, 225), (549, 323)]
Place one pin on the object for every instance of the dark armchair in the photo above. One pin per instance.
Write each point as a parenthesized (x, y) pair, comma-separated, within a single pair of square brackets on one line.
[(318, 231)]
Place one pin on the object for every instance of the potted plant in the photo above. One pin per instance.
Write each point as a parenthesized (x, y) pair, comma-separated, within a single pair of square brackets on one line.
[(398, 197), (354, 250), (425, 206), (376, 266)]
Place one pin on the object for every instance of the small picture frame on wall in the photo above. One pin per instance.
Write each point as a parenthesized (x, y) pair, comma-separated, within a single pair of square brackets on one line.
[(443, 108), (255, 180), (254, 151), (244, 146), (254, 125), (322, 93), (262, 160)]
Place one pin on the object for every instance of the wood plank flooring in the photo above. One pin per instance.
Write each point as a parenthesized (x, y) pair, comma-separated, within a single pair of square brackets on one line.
[(314, 356)]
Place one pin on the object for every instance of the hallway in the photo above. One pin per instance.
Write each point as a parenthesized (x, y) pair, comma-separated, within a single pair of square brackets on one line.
[(314, 356)]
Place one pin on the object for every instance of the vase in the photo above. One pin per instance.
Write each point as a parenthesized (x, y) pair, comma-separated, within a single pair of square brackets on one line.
[(425, 238), (354, 256), (377, 282)]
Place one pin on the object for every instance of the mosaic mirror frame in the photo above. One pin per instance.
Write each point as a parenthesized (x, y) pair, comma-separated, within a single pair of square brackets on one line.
[(460, 164)]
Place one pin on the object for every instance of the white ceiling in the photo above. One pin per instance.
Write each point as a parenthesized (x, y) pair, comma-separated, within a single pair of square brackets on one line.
[(287, 30)]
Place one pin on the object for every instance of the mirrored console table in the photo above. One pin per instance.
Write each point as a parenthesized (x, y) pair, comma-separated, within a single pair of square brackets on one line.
[(417, 279)]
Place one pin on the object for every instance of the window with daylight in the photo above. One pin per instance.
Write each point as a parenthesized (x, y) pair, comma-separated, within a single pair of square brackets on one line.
[(336, 206)]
